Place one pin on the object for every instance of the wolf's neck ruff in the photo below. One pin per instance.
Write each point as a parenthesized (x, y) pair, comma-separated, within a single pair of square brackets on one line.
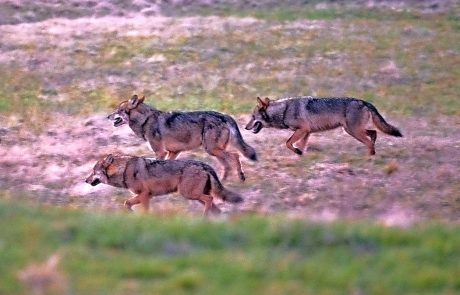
[(141, 117), (275, 115)]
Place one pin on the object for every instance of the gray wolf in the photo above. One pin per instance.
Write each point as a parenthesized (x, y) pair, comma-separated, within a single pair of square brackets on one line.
[(146, 177), (169, 133), (305, 115)]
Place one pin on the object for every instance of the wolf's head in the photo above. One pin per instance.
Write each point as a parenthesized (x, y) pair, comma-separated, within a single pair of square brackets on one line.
[(99, 173), (121, 114), (259, 117)]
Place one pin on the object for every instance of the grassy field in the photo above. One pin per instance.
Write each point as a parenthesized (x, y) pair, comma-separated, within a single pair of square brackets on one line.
[(127, 254), (402, 61), (319, 224)]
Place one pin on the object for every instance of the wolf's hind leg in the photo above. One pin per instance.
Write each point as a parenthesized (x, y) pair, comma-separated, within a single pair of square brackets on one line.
[(196, 187), (207, 200), (362, 136), (223, 157), (214, 209), (298, 134), (215, 143), (236, 159), (372, 134)]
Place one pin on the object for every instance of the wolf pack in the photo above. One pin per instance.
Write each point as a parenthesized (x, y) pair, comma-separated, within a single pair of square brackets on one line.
[(170, 133)]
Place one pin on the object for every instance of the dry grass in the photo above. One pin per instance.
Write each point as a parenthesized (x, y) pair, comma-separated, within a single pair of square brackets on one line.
[(59, 78)]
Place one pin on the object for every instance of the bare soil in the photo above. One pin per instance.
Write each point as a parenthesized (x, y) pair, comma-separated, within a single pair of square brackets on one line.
[(410, 179)]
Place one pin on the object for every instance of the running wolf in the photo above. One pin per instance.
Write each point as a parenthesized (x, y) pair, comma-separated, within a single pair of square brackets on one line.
[(305, 115), (146, 177), (169, 133)]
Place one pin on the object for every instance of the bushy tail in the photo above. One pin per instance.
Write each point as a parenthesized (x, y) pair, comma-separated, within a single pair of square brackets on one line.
[(380, 122), (238, 142), (219, 191)]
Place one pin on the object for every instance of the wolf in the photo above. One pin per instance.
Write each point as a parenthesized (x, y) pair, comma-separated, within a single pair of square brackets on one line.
[(305, 115), (170, 133), (146, 177)]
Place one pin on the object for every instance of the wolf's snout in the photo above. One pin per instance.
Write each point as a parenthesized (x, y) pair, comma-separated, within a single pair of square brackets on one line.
[(95, 182), (255, 126), (250, 125), (92, 180)]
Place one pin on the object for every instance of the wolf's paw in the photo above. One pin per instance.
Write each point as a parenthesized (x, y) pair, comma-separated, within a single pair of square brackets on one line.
[(242, 177), (298, 152), (128, 206)]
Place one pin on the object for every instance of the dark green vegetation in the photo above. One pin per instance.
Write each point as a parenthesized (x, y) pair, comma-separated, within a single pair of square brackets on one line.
[(129, 254)]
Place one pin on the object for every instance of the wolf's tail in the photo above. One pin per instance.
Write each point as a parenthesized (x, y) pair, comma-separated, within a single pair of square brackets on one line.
[(380, 122), (238, 142), (218, 190)]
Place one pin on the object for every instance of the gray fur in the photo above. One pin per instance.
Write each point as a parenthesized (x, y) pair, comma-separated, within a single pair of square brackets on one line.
[(170, 133), (305, 115), (147, 177)]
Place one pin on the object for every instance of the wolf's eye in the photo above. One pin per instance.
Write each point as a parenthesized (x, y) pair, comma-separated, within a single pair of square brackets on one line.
[(264, 115)]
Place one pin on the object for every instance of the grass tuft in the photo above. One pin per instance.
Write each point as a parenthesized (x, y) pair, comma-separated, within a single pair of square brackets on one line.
[(110, 253)]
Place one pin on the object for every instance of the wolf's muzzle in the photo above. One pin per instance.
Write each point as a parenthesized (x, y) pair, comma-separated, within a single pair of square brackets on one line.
[(118, 121), (257, 127), (95, 182), (92, 181)]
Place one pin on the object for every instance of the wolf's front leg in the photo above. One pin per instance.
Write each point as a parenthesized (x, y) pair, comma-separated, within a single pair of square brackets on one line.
[(298, 134), (161, 155), (129, 203), (157, 147), (302, 143), (142, 198), (172, 155)]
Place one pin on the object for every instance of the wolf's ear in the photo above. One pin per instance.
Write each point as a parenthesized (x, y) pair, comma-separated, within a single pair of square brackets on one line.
[(267, 101), (142, 99), (134, 100), (260, 103), (109, 159)]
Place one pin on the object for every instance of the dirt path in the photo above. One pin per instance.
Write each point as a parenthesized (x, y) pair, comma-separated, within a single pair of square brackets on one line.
[(411, 179)]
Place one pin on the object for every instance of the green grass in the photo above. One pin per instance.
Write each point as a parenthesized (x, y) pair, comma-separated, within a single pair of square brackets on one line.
[(287, 13), (106, 253), (225, 70)]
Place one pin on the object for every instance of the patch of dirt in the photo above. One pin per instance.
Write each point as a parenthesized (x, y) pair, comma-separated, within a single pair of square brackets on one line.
[(334, 179)]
